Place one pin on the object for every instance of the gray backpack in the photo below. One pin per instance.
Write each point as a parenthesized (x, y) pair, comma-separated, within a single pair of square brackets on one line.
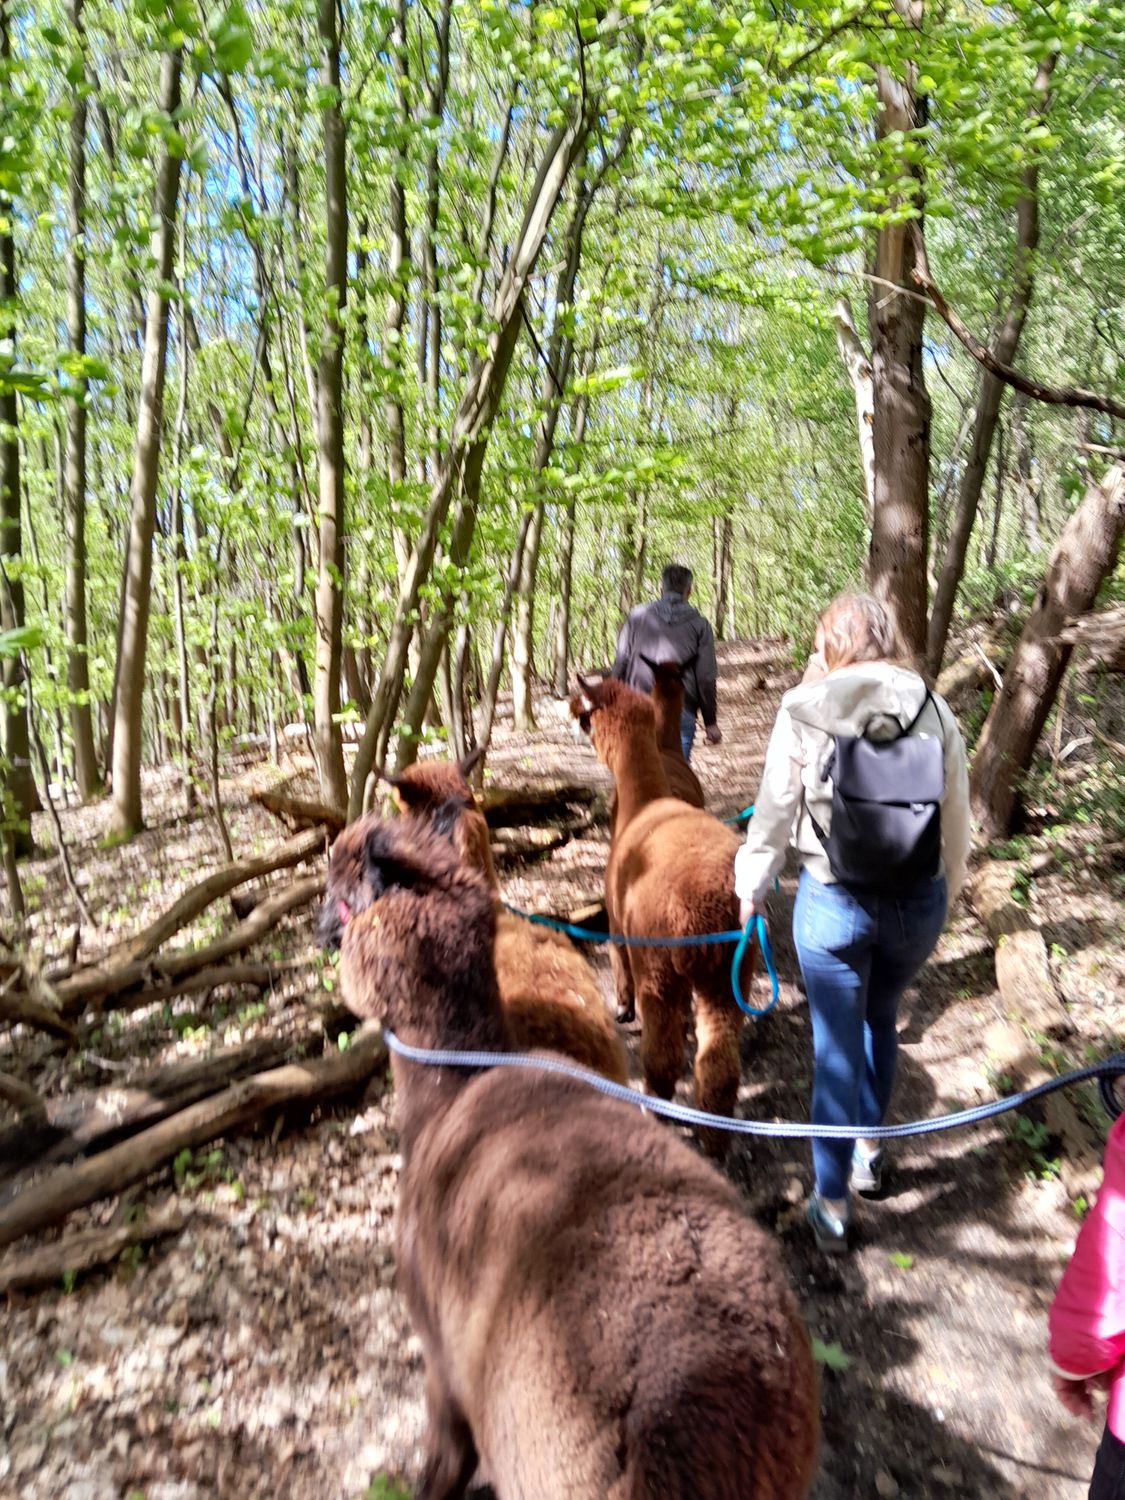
[(886, 809)]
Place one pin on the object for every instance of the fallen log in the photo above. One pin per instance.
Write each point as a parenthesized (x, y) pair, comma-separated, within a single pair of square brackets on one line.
[(92, 1119), (103, 986), (22, 1010), (72, 1187), (299, 812), (1023, 973), (48, 1264), (505, 807), (303, 846), (975, 668), (250, 976), (25, 1099)]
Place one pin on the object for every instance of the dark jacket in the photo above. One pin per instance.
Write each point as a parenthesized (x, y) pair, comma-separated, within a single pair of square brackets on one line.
[(670, 629)]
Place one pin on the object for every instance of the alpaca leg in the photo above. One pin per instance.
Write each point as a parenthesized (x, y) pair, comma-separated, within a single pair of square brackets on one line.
[(665, 1006), (622, 983), (452, 1458), (718, 1031)]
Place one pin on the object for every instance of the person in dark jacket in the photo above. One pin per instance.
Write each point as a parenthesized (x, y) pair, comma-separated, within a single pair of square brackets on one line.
[(671, 629)]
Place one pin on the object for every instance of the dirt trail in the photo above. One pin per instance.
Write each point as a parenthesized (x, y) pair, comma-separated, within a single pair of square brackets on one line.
[(264, 1351)]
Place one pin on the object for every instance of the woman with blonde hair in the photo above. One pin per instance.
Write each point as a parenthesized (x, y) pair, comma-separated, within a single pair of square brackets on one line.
[(866, 776)]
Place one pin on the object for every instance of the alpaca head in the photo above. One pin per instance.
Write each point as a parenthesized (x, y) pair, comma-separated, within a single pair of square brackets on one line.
[(438, 792), (668, 676), (414, 926), (616, 717)]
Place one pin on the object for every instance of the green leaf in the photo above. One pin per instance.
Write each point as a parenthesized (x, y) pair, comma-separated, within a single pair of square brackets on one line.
[(831, 1356), (901, 1259), (232, 39), (21, 638)]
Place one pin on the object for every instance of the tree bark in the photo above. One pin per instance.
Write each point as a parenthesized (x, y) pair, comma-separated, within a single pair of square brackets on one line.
[(87, 772), (472, 427), (398, 277), (19, 782), (126, 817), (1084, 555), (858, 366), (1030, 490), (992, 389), (579, 415), (330, 431), (896, 565)]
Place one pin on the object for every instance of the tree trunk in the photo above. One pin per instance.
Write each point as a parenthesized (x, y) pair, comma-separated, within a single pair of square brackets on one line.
[(472, 426), (992, 389), (19, 782), (896, 565), (1030, 490), (579, 414), (998, 504), (330, 431), (87, 772), (860, 374), (126, 817), (724, 598), (1084, 555), (398, 278)]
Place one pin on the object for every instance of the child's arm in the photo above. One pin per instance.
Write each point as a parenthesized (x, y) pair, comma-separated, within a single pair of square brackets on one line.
[(775, 807)]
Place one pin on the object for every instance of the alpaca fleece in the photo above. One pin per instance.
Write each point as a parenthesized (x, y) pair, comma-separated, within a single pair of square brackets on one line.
[(600, 1316), (670, 874), (548, 989)]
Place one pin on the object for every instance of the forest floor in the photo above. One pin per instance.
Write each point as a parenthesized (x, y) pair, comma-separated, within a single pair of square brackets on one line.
[(264, 1350)]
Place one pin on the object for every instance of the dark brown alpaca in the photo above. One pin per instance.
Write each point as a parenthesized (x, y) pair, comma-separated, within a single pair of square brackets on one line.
[(670, 874), (548, 989), (600, 1317), (668, 701)]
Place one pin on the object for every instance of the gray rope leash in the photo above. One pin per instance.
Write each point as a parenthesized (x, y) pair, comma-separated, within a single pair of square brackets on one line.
[(1110, 1067)]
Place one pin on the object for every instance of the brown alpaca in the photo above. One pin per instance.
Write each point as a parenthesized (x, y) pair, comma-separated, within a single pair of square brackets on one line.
[(670, 874), (668, 701), (599, 1315), (548, 989)]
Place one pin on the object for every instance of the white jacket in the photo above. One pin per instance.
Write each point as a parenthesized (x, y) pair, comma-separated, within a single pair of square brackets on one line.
[(847, 701)]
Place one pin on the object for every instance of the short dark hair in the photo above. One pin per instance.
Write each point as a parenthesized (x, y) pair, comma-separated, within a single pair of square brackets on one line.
[(675, 579)]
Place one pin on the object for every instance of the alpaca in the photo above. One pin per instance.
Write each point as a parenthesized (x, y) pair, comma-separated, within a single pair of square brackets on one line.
[(548, 989), (670, 874), (668, 701), (599, 1314)]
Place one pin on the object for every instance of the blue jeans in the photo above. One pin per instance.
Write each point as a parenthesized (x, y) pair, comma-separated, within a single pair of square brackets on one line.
[(687, 732), (857, 954)]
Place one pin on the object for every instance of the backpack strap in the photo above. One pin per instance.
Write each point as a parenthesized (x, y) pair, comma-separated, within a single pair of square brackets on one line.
[(927, 699)]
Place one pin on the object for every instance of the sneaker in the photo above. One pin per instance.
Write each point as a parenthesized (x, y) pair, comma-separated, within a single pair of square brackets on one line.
[(867, 1172), (830, 1232)]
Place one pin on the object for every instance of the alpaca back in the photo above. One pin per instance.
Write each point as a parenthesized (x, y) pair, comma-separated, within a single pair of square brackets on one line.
[(604, 1312)]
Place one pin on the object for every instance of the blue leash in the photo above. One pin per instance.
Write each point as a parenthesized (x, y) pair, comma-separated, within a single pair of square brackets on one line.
[(756, 927), (1110, 1067), (739, 818)]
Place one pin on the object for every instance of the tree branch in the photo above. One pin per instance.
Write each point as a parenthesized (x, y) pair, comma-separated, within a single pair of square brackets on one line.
[(1050, 395)]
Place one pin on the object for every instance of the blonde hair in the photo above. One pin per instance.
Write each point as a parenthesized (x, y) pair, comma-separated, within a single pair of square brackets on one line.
[(854, 628)]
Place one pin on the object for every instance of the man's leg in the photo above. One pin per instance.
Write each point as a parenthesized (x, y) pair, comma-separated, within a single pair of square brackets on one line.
[(687, 732)]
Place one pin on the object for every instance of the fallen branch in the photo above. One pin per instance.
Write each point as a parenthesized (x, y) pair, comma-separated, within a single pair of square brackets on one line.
[(48, 1264), (504, 807), (104, 985), (217, 884), (93, 1119), (299, 812), (25, 1099), (252, 976), (22, 1010), (72, 1187)]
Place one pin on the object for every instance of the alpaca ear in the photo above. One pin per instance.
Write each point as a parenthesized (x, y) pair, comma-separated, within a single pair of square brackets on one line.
[(653, 666), (407, 793), (468, 763), (590, 694)]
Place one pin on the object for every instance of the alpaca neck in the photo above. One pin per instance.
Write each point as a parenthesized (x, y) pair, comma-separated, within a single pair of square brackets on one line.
[(640, 779), (467, 1017), (669, 712)]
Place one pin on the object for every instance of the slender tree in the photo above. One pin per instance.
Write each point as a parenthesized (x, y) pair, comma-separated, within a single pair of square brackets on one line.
[(127, 817), (77, 664), (330, 429)]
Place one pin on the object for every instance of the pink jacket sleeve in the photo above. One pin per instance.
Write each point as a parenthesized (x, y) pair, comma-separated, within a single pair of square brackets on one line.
[(1087, 1317)]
